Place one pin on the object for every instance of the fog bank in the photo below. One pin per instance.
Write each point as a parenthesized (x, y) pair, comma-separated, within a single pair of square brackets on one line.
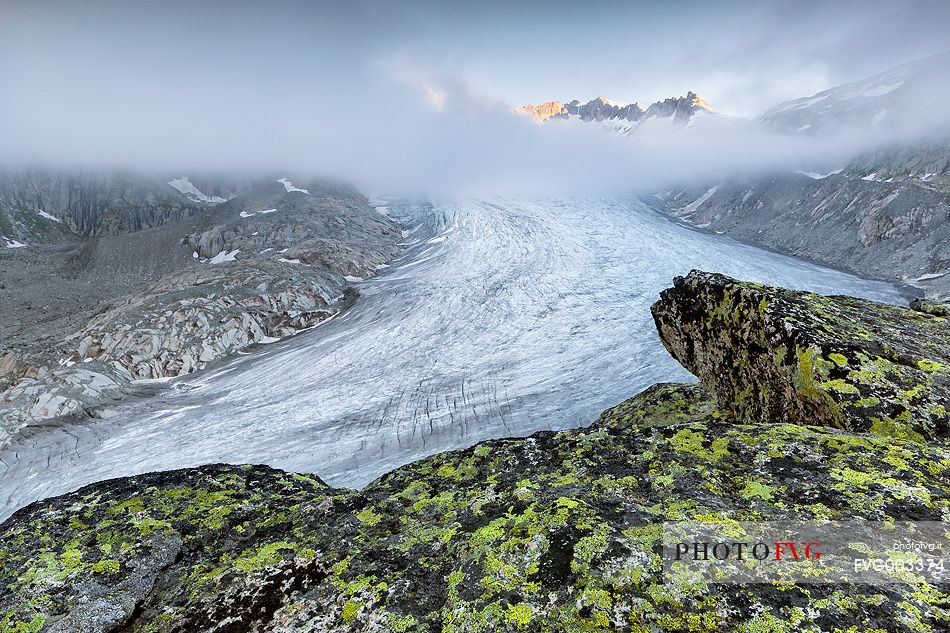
[(393, 97)]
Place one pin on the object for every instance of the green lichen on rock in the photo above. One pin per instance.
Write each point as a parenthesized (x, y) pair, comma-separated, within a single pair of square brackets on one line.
[(554, 532), (775, 354), (930, 307)]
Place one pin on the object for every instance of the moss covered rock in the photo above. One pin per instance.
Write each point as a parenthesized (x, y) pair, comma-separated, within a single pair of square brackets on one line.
[(554, 532), (775, 354)]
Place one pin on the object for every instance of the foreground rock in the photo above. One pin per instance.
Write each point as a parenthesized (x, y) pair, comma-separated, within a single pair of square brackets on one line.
[(556, 532), (789, 356)]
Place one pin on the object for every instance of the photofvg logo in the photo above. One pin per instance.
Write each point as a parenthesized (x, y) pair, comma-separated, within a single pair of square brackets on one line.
[(815, 552), (739, 550)]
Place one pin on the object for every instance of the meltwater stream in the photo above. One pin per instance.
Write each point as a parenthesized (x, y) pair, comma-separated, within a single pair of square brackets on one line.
[(503, 317)]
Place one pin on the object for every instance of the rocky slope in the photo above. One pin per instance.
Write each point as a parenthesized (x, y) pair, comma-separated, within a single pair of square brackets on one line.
[(556, 532), (92, 313), (895, 228), (621, 116), (925, 162)]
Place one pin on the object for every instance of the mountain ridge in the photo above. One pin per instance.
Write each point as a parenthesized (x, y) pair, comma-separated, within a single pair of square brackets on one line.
[(680, 109), (907, 96)]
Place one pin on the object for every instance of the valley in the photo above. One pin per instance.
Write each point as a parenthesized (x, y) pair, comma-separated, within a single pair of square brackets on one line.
[(369, 317), (502, 317)]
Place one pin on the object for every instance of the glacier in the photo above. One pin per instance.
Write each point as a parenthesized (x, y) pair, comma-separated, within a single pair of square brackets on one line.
[(504, 316)]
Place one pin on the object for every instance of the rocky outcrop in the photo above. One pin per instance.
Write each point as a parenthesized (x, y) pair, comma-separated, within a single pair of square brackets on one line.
[(788, 356), (555, 532), (151, 336)]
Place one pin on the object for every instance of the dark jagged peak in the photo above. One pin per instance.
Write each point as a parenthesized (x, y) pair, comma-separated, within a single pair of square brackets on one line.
[(601, 109), (680, 108)]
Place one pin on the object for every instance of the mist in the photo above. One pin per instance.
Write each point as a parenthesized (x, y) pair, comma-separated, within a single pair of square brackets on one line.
[(396, 99)]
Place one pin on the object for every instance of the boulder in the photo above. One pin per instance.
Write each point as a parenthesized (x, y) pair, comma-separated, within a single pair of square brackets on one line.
[(774, 354)]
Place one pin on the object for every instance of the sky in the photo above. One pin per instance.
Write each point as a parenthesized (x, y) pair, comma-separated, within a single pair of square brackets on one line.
[(742, 56), (339, 84)]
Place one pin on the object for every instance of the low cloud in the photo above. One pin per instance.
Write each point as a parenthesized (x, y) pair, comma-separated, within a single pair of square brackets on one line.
[(344, 94)]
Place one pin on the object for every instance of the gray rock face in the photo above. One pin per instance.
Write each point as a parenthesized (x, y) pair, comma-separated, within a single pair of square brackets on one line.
[(87, 203), (168, 300)]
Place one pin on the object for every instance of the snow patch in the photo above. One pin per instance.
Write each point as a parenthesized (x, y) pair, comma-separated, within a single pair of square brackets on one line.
[(289, 261), (12, 243), (150, 381), (689, 209), (351, 278), (183, 185), (248, 214), (224, 256), (816, 176), (49, 216), (289, 186)]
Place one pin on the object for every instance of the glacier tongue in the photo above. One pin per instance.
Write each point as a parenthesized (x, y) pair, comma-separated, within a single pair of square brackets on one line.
[(503, 318)]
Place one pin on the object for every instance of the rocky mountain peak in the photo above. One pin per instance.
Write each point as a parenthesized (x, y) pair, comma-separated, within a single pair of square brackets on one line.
[(698, 101), (680, 109)]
